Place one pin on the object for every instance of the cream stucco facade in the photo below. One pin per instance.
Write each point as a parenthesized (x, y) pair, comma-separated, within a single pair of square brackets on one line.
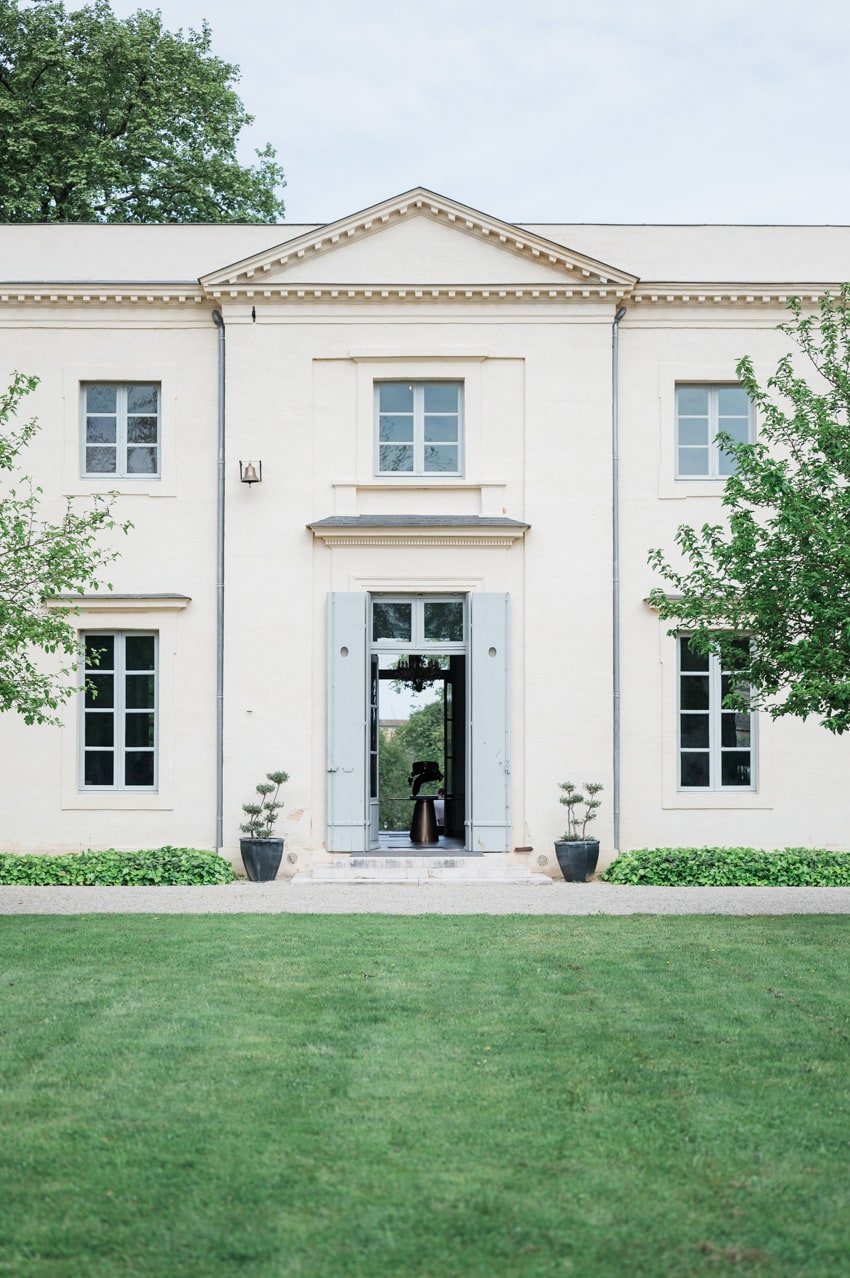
[(417, 290)]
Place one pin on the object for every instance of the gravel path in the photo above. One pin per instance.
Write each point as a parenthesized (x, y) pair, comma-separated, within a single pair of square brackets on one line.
[(242, 897)]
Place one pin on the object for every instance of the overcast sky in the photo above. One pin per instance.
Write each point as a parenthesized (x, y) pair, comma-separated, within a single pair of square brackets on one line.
[(547, 110)]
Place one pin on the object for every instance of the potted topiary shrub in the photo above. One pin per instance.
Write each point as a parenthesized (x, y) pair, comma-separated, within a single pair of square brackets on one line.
[(261, 851), (577, 855)]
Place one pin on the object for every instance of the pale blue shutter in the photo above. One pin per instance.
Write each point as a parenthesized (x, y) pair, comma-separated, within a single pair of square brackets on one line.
[(488, 824), (347, 726)]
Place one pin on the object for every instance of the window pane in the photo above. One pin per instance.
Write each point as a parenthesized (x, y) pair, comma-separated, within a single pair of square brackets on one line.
[(693, 430), (690, 659), (732, 401), (101, 399), (440, 430), (99, 767), (734, 729), (100, 652), (139, 729), (395, 397), (142, 399), (100, 729), (693, 461), (100, 691), (441, 457), (391, 621), (726, 465), (444, 620), (694, 731), (141, 461), (735, 767), (100, 430), (139, 691), (100, 461), (395, 458), (694, 692), (740, 645), (692, 400), (392, 430), (140, 652), (732, 683), (441, 397), (141, 430), (737, 427), (138, 767), (694, 770)]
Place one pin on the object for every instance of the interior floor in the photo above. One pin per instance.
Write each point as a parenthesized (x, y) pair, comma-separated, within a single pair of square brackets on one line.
[(399, 841)]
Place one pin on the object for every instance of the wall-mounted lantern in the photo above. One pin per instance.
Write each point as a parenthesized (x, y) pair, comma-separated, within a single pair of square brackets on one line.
[(251, 472)]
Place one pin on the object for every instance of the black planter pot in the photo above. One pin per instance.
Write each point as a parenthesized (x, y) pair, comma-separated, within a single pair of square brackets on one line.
[(261, 858), (577, 859)]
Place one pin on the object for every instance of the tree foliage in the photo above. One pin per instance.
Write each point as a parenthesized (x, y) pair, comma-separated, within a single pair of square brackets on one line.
[(40, 560), (117, 120), (778, 568), (420, 737)]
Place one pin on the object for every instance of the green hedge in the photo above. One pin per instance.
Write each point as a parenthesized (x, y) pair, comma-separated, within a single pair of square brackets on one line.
[(171, 866), (731, 867)]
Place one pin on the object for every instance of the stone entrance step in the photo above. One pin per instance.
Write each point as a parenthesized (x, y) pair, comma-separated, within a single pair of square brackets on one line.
[(421, 869)]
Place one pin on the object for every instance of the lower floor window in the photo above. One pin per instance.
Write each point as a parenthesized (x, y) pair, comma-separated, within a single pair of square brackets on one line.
[(120, 711), (715, 743)]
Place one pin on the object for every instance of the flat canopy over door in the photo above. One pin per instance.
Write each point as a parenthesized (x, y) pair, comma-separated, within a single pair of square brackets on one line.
[(488, 823), (347, 726)]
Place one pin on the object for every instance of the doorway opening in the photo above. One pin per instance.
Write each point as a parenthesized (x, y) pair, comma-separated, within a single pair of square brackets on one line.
[(418, 746), (467, 636)]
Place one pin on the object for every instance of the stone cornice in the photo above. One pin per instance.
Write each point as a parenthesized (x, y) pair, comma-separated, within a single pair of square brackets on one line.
[(119, 603), (654, 292), (494, 533), (703, 295), (409, 293), (100, 294)]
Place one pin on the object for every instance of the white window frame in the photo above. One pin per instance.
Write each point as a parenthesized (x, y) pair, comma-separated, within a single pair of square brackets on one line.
[(418, 642), (119, 747), (714, 454), (418, 470), (714, 714), (121, 443)]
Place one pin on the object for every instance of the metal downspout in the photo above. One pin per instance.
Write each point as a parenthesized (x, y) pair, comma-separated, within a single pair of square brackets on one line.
[(219, 612), (615, 484)]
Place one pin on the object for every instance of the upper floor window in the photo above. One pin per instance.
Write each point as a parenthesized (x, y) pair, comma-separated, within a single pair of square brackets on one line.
[(121, 429), (120, 711), (701, 413), (715, 743), (419, 427)]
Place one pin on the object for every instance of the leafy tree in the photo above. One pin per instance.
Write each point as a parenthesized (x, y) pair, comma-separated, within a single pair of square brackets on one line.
[(394, 769), (117, 120), (40, 560), (778, 568), (422, 734)]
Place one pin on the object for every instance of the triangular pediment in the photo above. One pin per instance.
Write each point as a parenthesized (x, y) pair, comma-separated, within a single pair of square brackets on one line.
[(418, 239)]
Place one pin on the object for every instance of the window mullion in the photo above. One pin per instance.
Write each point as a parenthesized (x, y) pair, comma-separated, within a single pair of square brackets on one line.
[(715, 689), (714, 451), (121, 433), (419, 428), (120, 716)]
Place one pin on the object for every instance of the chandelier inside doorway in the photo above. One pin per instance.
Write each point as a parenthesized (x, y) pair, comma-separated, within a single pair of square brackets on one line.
[(418, 672)]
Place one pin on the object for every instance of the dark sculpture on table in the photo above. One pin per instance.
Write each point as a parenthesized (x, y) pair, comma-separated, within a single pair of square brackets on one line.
[(423, 826), (422, 772)]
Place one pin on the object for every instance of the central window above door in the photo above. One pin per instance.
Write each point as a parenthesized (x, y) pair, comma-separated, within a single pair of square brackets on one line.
[(418, 428), (435, 621)]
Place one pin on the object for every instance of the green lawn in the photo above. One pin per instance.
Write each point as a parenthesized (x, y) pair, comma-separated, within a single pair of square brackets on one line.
[(446, 1097)]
